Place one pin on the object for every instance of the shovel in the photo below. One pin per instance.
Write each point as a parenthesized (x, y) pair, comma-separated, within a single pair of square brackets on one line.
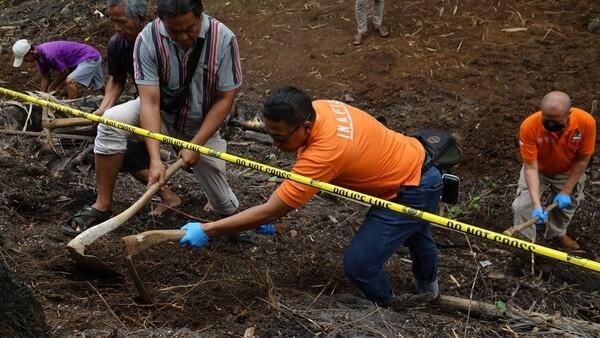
[(77, 245), (518, 228), (134, 244)]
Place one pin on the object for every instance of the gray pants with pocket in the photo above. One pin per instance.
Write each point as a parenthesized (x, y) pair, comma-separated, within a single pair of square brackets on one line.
[(210, 171), (361, 14), (558, 220), (89, 73)]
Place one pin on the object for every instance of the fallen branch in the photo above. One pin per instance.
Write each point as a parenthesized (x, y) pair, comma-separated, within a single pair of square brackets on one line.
[(517, 314), (514, 30), (39, 133)]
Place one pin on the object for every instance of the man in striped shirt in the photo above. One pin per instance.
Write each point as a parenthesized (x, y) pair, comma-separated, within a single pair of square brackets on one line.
[(161, 54)]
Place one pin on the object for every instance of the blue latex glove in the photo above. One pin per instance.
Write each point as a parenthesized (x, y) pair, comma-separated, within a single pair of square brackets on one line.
[(194, 235), (266, 229), (562, 200), (539, 212)]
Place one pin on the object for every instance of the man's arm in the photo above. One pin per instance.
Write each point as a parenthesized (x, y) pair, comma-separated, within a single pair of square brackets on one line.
[(114, 89), (45, 82), (150, 120), (212, 121), (60, 79), (577, 170), (267, 212), (532, 178)]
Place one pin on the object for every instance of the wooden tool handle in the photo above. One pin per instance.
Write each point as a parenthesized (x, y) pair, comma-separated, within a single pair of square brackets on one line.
[(136, 243), (68, 122), (522, 226), (92, 234)]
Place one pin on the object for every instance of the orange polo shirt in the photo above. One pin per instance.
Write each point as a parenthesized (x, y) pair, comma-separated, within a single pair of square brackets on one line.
[(350, 148), (554, 152)]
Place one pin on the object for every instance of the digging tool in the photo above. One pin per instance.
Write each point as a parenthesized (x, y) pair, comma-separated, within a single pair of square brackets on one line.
[(518, 228), (134, 244), (357, 196), (67, 122), (77, 245)]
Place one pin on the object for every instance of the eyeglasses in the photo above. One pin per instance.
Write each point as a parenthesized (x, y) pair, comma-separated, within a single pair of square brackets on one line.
[(285, 138)]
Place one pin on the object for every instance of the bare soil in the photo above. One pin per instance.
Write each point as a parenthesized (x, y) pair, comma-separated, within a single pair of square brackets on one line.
[(446, 64)]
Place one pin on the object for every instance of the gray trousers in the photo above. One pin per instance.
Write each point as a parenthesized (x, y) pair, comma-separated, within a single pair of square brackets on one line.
[(558, 220), (210, 171), (361, 14)]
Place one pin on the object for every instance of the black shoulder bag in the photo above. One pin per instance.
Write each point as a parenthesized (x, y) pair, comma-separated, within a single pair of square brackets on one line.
[(441, 146)]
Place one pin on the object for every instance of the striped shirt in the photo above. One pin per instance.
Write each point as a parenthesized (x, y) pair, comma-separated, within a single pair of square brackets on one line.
[(161, 61)]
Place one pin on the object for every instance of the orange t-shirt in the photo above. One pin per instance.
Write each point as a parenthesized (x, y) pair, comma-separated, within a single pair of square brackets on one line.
[(554, 152), (350, 148)]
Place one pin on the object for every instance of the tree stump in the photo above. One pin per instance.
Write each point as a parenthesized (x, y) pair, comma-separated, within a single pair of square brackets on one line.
[(21, 315)]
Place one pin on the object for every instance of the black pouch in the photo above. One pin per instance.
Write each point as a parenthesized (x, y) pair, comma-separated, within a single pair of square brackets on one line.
[(441, 146), (172, 100)]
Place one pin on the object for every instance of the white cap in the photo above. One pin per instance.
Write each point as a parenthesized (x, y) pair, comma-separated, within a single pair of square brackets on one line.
[(20, 48)]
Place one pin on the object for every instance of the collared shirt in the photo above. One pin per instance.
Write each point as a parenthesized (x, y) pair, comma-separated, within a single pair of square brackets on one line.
[(64, 55), (350, 148), (219, 68), (120, 57), (554, 152)]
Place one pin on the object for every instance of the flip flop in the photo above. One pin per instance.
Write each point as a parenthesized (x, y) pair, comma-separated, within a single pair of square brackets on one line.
[(85, 219)]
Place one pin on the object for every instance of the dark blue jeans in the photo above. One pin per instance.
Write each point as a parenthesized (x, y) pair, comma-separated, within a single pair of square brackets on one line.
[(382, 233)]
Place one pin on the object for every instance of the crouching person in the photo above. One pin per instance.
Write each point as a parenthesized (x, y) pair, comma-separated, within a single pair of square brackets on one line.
[(343, 145), (183, 40)]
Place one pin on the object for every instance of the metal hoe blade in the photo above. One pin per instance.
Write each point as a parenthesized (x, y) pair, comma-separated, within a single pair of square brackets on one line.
[(134, 244)]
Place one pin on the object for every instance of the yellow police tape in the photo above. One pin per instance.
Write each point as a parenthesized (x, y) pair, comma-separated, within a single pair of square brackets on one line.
[(378, 202)]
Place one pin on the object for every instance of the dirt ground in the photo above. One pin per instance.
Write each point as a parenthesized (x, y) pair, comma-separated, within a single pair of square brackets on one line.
[(446, 64)]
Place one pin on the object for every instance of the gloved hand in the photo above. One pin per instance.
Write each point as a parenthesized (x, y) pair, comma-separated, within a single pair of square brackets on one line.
[(194, 235), (267, 229), (562, 200), (539, 212)]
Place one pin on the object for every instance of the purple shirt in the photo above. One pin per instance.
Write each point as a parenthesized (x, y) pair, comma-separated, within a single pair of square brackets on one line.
[(62, 55)]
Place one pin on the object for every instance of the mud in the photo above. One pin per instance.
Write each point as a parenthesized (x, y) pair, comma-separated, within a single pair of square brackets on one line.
[(446, 64)]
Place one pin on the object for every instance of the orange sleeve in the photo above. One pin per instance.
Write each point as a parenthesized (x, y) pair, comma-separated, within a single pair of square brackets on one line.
[(589, 138), (295, 194), (527, 143)]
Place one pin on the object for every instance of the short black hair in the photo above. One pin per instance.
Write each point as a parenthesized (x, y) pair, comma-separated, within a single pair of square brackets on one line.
[(170, 8), (289, 104)]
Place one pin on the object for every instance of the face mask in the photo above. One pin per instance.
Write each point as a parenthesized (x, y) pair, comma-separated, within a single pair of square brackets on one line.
[(553, 127)]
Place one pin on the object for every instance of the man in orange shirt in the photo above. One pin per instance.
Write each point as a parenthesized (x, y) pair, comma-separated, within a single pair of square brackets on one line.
[(556, 145), (343, 145)]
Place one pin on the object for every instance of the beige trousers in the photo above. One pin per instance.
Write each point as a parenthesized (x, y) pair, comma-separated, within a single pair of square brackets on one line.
[(558, 220), (209, 171)]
